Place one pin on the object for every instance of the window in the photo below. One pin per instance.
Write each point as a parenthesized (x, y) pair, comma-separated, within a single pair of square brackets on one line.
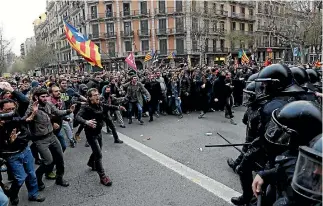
[(179, 5), (95, 30), (180, 46), (127, 28), (112, 49), (206, 25), (214, 27), (214, 6), (193, 5), (162, 6), (108, 10), (233, 26), (163, 46), (94, 12), (206, 6), (110, 29), (145, 45), (144, 27), (162, 26), (259, 7), (128, 46), (250, 12), (179, 24), (222, 9), (195, 24), (233, 9), (143, 7), (243, 11), (194, 45), (126, 9), (266, 9), (214, 45), (99, 46), (259, 23), (250, 28), (222, 26), (242, 27)]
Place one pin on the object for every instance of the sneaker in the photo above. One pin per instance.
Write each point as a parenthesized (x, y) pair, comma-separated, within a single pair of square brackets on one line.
[(130, 121), (201, 115), (72, 144), (141, 122), (51, 176), (180, 116), (105, 180), (37, 199), (122, 126), (157, 115)]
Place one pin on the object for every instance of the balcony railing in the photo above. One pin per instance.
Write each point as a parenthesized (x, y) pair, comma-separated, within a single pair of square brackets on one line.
[(169, 10), (212, 12), (105, 15), (126, 34), (96, 36), (170, 31), (212, 50), (110, 35), (242, 16), (144, 33), (135, 13), (217, 31)]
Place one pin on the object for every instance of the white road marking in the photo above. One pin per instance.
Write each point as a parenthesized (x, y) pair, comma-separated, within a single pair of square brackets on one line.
[(218, 189)]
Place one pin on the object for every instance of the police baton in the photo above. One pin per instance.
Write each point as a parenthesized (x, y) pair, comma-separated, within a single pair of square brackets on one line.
[(259, 199), (227, 145)]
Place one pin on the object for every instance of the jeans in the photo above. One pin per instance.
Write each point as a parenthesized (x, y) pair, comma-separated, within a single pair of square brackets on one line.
[(22, 166), (131, 109), (111, 126), (61, 140), (4, 201), (51, 151), (177, 102), (67, 130), (95, 160)]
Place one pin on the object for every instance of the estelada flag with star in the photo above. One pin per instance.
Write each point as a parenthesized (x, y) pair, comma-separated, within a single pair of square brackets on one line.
[(85, 47)]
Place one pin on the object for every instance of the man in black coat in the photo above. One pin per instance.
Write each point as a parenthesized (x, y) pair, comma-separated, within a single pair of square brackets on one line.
[(155, 91)]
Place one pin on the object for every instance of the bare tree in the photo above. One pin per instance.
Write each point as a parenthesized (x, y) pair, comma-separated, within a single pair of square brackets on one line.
[(302, 27), (40, 56), (5, 50)]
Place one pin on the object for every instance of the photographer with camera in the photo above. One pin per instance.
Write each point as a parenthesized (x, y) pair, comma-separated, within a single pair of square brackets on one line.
[(14, 138)]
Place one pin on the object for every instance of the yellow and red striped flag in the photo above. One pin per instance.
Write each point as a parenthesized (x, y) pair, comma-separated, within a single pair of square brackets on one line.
[(149, 56), (244, 58), (85, 47)]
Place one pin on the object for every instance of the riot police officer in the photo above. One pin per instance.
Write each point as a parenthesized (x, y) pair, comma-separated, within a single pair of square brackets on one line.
[(277, 88), (294, 125), (314, 78)]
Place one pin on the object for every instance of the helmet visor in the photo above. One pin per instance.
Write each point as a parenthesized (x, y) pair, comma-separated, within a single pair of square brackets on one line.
[(248, 97), (307, 179), (277, 133)]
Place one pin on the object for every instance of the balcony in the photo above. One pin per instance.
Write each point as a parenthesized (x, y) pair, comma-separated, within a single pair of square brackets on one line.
[(213, 13), (96, 36), (170, 31), (75, 8), (242, 16), (62, 36), (66, 47), (217, 31), (144, 33), (109, 35), (134, 13), (102, 16), (167, 52), (246, 3), (126, 34), (63, 8), (80, 21), (169, 11), (216, 50)]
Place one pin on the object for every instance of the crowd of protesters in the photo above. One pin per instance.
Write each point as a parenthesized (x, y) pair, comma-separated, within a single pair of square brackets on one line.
[(47, 109)]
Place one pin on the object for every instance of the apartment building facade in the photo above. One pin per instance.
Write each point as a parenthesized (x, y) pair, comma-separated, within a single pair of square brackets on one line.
[(204, 30)]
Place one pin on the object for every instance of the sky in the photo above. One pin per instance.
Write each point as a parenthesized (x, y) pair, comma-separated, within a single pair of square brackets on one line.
[(16, 19)]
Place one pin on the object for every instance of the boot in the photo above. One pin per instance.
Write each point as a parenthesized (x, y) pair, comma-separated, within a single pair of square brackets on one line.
[(60, 181), (245, 180), (151, 119), (130, 121), (118, 141), (232, 164), (105, 180)]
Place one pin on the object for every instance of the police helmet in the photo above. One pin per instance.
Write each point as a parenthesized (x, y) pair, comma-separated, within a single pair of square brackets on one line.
[(276, 78), (249, 93), (313, 75), (295, 124), (307, 178), (301, 77), (252, 78)]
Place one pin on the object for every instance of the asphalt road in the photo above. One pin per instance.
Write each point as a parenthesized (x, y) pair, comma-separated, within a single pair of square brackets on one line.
[(139, 180)]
